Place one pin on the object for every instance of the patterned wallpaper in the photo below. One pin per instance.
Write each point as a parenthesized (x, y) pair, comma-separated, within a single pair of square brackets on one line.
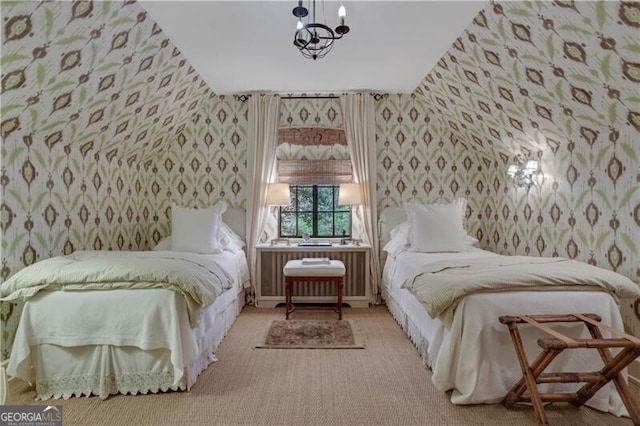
[(559, 82), (206, 163), (104, 123), (421, 160), (89, 90)]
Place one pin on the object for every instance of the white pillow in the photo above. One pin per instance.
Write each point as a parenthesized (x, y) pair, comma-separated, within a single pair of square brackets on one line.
[(471, 241), (229, 240), (436, 227), (196, 230), (399, 241)]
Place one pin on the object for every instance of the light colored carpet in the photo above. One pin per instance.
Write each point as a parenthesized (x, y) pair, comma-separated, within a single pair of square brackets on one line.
[(385, 384)]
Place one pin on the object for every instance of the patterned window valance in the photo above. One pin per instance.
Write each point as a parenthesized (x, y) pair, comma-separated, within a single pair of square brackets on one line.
[(314, 172), (311, 136)]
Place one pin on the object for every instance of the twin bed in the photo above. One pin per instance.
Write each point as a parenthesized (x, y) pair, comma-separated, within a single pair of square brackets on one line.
[(158, 337), (144, 321), (468, 350)]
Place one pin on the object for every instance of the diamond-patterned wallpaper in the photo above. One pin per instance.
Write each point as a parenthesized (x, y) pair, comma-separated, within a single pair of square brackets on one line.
[(206, 163), (559, 82), (104, 123), (90, 91)]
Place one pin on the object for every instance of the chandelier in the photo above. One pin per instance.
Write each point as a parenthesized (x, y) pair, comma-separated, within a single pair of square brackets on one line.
[(313, 39)]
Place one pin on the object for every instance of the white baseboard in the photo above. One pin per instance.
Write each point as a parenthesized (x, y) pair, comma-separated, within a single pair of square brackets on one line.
[(634, 372)]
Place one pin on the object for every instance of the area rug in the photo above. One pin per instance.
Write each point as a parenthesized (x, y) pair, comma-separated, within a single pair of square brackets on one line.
[(310, 334)]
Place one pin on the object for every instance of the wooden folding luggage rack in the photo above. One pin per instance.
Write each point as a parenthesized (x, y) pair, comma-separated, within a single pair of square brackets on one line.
[(553, 346)]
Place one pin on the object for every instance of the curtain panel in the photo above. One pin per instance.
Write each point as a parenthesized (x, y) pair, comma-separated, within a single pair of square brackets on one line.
[(359, 124), (261, 169)]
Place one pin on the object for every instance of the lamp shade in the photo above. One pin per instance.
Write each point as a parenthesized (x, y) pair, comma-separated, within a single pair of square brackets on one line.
[(278, 194), (349, 194)]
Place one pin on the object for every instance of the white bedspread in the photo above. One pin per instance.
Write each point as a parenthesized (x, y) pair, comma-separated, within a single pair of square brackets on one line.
[(148, 319), (440, 285), (475, 356)]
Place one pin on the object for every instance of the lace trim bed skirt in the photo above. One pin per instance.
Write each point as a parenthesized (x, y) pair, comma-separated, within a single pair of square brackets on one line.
[(120, 369), (414, 333)]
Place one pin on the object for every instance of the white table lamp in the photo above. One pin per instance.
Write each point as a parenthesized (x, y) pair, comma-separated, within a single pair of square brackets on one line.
[(278, 194), (349, 194)]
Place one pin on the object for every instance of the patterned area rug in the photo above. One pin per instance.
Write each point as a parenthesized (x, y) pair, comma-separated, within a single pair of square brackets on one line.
[(310, 334)]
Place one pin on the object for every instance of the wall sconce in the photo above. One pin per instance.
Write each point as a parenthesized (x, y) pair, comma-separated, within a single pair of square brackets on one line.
[(278, 194), (349, 194), (523, 172)]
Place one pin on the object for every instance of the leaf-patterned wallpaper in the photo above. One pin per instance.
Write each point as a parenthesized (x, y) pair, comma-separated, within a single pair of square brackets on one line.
[(91, 92), (206, 163), (104, 124), (421, 160), (559, 82)]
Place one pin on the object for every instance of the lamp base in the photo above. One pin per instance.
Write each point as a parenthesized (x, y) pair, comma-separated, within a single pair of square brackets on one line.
[(347, 241)]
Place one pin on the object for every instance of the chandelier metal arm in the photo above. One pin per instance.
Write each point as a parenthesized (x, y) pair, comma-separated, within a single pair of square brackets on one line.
[(315, 40)]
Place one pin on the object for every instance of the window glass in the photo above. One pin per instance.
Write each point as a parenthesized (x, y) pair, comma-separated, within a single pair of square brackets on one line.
[(314, 211)]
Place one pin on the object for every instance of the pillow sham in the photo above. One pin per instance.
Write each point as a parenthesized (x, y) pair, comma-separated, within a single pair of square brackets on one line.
[(229, 240), (399, 241), (196, 230), (436, 227)]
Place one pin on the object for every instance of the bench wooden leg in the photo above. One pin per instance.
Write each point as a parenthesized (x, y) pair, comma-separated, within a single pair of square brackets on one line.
[(287, 298), (339, 306)]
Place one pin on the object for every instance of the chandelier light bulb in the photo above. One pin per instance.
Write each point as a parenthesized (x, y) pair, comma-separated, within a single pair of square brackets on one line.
[(314, 38)]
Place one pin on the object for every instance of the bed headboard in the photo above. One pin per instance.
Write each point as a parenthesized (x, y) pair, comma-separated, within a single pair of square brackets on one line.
[(236, 219), (390, 217)]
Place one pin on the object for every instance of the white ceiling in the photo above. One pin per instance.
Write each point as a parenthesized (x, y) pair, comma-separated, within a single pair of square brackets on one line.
[(245, 46)]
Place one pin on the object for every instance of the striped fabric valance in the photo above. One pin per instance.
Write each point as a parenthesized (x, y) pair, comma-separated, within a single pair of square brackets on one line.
[(314, 172)]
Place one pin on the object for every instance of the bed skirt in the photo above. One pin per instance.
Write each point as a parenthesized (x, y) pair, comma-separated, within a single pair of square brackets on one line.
[(61, 372), (475, 367)]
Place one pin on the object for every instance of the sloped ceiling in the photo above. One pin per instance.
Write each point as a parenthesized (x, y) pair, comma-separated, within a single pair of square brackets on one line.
[(245, 46), (100, 76), (531, 76)]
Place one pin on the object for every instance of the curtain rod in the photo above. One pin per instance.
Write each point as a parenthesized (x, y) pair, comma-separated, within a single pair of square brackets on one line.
[(244, 98)]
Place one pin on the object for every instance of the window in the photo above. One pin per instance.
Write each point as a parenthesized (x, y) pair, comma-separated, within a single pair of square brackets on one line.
[(314, 211)]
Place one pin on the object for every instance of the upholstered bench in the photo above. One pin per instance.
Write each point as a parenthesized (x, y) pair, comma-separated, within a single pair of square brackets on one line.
[(295, 271)]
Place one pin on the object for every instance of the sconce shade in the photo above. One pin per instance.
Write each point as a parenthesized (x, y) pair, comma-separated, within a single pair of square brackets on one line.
[(278, 194), (349, 194)]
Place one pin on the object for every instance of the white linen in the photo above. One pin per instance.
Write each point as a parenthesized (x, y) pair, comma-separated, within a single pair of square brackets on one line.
[(262, 142), (198, 277), (358, 114), (475, 357), (440, 285), (77, 342), (196, 230), (436, 227)]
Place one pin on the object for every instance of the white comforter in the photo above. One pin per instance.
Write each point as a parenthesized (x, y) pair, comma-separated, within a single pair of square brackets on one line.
[(441, 285), (154, 319), (474, 357), (197, 277)]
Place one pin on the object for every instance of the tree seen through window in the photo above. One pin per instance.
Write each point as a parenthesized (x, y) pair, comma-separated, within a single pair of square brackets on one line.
[(314, 212)]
